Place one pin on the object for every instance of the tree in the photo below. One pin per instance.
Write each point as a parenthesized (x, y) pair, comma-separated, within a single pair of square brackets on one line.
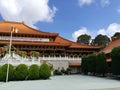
[(37, 54), (101, 64), (115, 64), (84, 39), (23, 54), (116, 35), (101, 40)]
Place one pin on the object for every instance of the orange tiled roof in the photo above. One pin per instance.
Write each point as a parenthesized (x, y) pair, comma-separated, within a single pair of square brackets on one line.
[(22, 28), (74, 64), (111, 45), (74, 44), (34, 43)]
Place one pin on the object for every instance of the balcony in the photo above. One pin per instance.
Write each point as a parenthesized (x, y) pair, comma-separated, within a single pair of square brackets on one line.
[(16, 60)]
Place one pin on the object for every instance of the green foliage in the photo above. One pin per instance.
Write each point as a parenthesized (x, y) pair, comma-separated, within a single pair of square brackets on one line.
[(57, 72), (84, 39), (63, 70), (115, 64), (21, 72), (101, 64), (44, 71), (68, 70), (101, 40), (84, 64), (50, 66), (3, 72), (33, 72), (0, 73), (92, 63), (116, 35)]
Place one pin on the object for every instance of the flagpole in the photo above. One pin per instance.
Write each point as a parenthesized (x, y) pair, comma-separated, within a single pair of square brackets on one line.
[(9, 56)]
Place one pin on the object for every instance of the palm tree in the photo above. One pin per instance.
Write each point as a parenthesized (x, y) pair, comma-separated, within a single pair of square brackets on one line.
[(23, 54), (37, 54)]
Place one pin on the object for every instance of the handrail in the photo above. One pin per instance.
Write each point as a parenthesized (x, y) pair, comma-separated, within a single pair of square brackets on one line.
[(16, 59)]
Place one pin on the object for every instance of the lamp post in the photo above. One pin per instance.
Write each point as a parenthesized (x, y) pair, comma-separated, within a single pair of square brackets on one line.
[(9, 57)]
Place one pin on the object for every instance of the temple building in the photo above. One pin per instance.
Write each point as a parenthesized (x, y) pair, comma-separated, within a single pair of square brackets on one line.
[(53, 48), (107, 50)]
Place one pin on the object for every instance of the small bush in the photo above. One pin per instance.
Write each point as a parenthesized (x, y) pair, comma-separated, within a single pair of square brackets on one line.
[(33, 72), (44, 71), (21, 72), (68, 70), (0, 74), (3, 72), (63, 70), (57, 72)]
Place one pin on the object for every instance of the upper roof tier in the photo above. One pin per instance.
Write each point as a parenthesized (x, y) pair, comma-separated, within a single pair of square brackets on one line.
[(22, 28), (58, 40)]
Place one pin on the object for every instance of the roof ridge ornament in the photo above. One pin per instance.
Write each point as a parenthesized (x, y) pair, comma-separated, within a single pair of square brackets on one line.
[(22, 22), (3, 20)]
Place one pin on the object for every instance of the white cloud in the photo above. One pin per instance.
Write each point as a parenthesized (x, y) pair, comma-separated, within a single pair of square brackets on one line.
[(79, 32), (29, 11), (102, 31), (118, 10), (111, 30), (105, 3), (85, 2)]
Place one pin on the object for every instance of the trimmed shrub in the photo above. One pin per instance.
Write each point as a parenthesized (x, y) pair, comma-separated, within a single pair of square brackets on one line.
[(44, 71), (33, 72), (63, 70), (3, 72), (101, 64), (84, 64), (115, 64), (92, 63), (68, 70), (21, 72), (0, 73), (57, 72)]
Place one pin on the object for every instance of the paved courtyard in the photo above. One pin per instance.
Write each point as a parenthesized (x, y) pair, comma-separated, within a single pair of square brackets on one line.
[(71, 82)]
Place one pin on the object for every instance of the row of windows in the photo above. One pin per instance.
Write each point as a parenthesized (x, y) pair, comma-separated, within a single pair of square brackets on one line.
[(24, 39)]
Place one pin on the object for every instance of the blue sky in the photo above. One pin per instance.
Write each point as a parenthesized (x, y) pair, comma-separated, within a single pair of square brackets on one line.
[(69, 18)]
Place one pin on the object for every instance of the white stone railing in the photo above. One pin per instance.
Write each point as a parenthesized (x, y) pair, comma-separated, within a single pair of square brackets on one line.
[(16, 60), (25, 39), (60, 58)]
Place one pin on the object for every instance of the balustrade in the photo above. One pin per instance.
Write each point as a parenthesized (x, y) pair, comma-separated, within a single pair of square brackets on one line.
[(25, 39), (16, 59)]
